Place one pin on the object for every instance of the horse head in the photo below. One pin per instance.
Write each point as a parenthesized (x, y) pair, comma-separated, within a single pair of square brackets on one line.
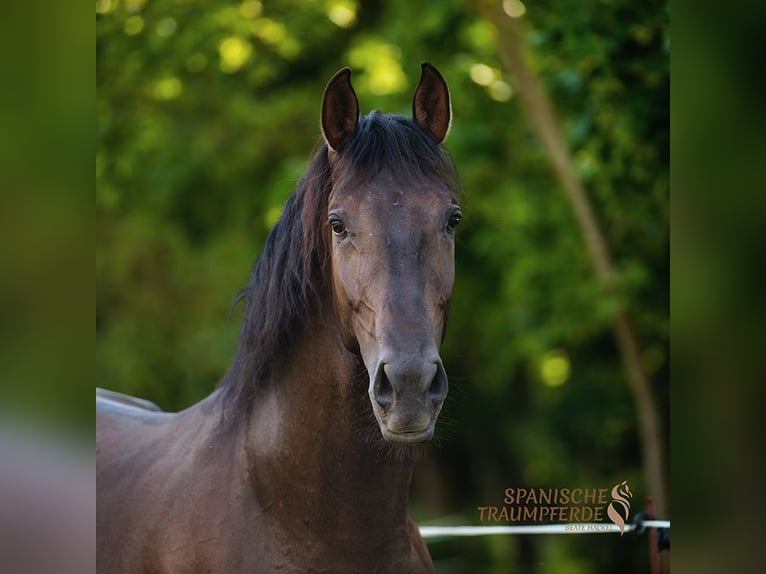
[(391, 218)]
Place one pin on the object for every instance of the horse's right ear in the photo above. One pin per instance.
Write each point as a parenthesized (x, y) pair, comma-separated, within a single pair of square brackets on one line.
[(430, 106), (340, 109)]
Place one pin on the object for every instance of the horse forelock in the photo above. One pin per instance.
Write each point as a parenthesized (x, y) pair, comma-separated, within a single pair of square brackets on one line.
[(398, 145)]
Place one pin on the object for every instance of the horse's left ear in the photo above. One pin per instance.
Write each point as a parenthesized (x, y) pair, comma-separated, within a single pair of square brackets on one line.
[(431, 105)]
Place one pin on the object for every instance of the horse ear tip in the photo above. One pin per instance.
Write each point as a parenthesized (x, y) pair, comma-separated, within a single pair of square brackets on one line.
[(344, 72), (429, 68)]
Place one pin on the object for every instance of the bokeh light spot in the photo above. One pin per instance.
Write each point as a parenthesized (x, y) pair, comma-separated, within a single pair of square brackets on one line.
[(168, 88), (514, 8), (269, 31), (482, 74), (166, 27), (500, 91), (555, 368), (104, 6), (342, 13), (133, 25), (380, 61), (250, 9), (234, 53), (134, 6), (272, 215)]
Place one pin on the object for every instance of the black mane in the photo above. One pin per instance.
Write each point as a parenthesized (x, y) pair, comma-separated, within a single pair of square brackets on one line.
[(289, 281)]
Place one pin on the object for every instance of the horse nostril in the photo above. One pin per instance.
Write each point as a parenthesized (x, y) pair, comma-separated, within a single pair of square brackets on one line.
[(437, 390), (382, 390)]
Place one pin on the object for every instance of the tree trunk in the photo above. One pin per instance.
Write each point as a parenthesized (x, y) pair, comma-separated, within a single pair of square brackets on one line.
[(541, 116)]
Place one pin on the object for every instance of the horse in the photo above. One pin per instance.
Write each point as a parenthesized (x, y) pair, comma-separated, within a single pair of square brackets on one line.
[(301, 458)]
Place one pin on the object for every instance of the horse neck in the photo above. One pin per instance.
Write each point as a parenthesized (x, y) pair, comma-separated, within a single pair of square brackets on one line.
[(314, 449)]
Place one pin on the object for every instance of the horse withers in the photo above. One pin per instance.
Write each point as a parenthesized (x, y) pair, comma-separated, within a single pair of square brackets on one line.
[(301, 459)]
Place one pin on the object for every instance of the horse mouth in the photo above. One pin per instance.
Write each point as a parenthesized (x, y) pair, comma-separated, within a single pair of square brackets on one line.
[(408, 437)]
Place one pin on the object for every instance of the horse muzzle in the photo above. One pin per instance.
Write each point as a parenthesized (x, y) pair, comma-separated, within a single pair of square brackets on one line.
[(407, 396)]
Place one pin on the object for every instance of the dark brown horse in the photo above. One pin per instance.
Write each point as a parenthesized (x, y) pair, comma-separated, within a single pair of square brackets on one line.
[(301, 460)]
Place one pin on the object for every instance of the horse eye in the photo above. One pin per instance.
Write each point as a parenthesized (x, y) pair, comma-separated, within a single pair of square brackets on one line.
[(454, 219), (337, 226)]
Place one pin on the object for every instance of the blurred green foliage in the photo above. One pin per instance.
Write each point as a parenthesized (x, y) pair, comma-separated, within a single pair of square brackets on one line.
[(207, 115)]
